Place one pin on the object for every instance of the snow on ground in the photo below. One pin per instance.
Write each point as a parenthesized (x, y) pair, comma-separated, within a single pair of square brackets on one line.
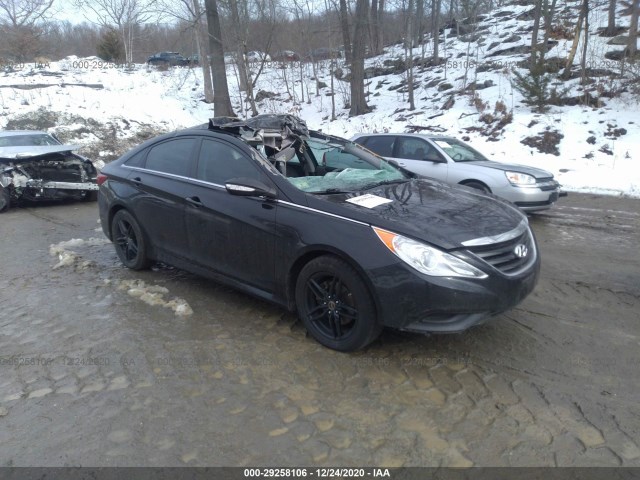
[(591, 159)]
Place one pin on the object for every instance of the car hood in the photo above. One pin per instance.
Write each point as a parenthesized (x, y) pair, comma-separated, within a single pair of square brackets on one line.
[(512, 167), (436, 213), (27, 152)]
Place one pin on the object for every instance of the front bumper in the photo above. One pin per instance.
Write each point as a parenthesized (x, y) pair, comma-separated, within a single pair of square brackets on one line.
[(534, 198), (414, 302), (39, 184)]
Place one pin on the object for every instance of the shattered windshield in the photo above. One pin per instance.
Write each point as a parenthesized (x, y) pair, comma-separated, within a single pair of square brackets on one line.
[(458, 151), (344, 167)]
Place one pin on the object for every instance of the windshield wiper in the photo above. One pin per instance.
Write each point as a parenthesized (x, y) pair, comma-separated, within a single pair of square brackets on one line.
[(385, 182), (330, 191)]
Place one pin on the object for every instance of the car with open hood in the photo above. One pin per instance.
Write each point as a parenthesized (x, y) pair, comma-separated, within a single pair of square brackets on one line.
[(319, 225), (453, 161), (35, 166)]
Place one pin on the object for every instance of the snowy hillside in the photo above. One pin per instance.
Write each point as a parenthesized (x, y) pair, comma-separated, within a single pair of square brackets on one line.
[(108, 109)]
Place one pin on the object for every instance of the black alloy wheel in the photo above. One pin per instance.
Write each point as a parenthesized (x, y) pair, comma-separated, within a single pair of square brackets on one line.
[(129, 241), (335, 305)]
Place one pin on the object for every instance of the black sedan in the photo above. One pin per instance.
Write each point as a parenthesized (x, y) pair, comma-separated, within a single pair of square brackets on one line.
[(320, 225), (168, 59)]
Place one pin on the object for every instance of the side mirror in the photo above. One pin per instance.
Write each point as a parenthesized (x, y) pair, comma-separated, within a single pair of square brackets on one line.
[(248, 187), (434, 159)]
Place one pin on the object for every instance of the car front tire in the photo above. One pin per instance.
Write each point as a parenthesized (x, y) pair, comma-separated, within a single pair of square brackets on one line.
[(129, 241), (335, 305)]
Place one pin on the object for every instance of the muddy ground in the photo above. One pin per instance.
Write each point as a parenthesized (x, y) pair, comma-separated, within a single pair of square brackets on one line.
[(91, 375)]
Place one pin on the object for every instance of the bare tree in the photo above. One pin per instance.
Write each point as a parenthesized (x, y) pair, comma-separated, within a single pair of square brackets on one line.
[(346, 35), (408, 50), (221, 101), (380, 30), (203, 49), (566, 73), (190, 12), (585, 43), (633, 29), (125, 15), (418, 27), (239, 30), (358, 99), (611, 23), (548, 12), (537, 13), (374, 28), (435, 28), (20, 22)]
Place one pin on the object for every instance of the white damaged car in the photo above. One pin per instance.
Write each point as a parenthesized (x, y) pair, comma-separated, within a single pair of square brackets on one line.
[(35, 166)]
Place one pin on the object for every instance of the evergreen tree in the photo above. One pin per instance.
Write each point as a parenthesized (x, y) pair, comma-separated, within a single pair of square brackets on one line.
[(110, 48)]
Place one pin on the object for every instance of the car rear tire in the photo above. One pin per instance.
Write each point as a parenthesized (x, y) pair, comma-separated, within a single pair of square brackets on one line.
[(129, 241), (478, 186), (5, 199), (335, 305)]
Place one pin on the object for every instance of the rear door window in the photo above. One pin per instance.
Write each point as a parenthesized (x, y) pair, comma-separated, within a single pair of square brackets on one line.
[(219, 162), (411, 148), (382, 145), (172, 156)]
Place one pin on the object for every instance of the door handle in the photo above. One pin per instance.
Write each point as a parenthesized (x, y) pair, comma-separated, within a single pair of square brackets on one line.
[(195, 201), (402, 164), (136, 180)]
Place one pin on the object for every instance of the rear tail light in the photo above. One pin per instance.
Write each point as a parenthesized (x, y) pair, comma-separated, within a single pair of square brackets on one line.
[(101, 178)]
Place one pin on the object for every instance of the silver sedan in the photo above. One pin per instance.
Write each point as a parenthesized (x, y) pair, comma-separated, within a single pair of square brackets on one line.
[(453, 161)]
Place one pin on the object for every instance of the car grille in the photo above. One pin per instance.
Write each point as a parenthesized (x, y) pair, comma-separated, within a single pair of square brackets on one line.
[(547, 184), (503, 255)]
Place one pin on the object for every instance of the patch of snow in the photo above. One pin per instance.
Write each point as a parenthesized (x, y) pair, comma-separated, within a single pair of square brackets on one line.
[(70, 258), (154, 295)]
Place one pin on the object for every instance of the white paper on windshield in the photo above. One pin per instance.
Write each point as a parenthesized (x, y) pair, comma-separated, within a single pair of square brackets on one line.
[(369, 201), (442, 144)]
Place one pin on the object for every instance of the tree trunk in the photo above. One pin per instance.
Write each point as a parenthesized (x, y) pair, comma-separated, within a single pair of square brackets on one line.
[(246, 83), (633, 29), (549, 11), (221, 101), (344, 25), (419, 20), (374, 26), (380, 40), (408, 49), (240, 47), (566, 73), (203, 50), (583, 61), (533, 61), (358, 99), (611, 25), (435, 28)]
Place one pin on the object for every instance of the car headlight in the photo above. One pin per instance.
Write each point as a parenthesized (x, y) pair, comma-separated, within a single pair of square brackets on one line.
[(517, 178), (426, 259)]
